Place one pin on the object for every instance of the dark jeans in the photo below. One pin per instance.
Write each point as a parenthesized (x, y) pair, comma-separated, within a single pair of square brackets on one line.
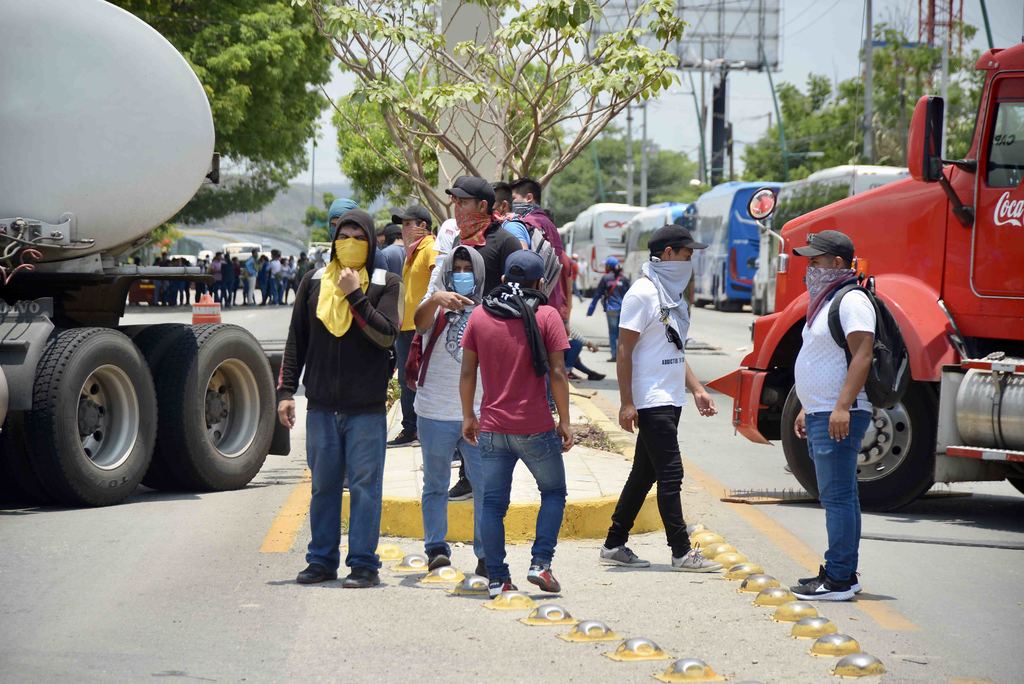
[(340, 444), (657, 459), (403, 344), (613, 332)]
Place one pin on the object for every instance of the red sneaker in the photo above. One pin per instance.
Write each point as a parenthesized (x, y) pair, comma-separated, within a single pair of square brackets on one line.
[(543, 577)]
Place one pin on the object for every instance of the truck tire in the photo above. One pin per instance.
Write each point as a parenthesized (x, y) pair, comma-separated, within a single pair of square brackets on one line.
[(93, 419), (154, 341), (217, 408), (19, 481), (897, 462)]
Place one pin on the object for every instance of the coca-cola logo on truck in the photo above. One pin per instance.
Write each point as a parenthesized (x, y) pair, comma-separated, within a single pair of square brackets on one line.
[(1009, 212)]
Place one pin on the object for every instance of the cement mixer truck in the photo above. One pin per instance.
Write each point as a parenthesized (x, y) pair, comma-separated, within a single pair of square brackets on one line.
[(105, 133), (946, 249)]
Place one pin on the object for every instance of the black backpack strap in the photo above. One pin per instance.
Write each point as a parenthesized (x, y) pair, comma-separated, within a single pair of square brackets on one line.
[(835, 324)]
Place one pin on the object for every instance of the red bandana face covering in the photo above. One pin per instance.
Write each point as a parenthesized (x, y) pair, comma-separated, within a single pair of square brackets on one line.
[(472, 224)]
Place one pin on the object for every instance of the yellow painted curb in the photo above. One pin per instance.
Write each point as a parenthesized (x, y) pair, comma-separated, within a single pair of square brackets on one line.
[(583, 519), (624, 442)]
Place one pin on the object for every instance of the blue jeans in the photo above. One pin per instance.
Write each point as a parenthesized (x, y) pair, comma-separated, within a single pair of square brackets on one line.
[(439, 440), (542, 454), (613, 331), (402, 346), (835, 464), (338, 444)]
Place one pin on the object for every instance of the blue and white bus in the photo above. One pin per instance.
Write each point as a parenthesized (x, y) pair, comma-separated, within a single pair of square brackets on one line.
[(723, 273)]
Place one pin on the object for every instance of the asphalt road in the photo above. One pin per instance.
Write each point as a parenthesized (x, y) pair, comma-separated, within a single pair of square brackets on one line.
[(175, 586)]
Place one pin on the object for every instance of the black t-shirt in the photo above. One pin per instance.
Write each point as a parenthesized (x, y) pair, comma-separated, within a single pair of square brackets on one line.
[(500, 243)]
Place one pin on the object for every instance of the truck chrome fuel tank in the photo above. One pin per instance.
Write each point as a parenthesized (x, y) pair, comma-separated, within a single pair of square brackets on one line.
[(99, 116), (990, 409)]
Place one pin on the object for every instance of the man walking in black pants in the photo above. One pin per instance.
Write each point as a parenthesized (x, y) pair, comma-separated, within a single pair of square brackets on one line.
[(653, 378)]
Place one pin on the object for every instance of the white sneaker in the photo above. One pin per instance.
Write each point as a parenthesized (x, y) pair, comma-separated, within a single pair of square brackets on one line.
[(622, 556), (694, 561)]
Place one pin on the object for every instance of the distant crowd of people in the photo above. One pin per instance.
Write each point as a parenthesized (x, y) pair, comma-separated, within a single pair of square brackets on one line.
[(274, 277)]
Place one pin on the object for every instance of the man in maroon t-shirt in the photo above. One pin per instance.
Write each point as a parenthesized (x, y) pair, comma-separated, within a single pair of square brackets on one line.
[(516, 340)]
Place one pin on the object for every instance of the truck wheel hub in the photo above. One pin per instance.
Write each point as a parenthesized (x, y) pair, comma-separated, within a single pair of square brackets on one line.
[(886, 443)]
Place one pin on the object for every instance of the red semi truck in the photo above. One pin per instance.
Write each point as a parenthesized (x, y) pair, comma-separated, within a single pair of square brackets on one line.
[(946, 249)]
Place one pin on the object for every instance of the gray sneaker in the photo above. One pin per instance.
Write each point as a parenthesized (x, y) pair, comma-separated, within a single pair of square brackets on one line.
[(694, 561), (622, 556)]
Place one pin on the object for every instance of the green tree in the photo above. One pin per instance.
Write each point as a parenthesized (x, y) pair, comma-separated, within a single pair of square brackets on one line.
[(827, 122), (523, 87), (578, 185), (260, 62), (316, 220)]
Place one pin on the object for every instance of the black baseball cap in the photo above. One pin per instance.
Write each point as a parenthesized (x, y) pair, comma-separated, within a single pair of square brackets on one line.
[(674, 236), (827, 242), (472, 187), (413, 211), (524, 266)]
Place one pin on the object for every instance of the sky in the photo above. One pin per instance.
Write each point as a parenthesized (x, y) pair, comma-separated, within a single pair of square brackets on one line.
[(818, 36)]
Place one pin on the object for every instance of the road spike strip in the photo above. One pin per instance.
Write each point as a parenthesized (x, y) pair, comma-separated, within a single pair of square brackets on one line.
[(390, 552), (589, 631), (511, 600), (858, 665), (689, 670), (548, 614), (413, 563), (637, 648)]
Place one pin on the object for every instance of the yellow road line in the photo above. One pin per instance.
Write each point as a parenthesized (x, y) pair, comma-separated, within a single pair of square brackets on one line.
[(887, 618), (289, 519)]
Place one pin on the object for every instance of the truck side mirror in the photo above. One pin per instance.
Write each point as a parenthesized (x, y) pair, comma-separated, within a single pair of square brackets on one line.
[(924, 142), (762, 204)]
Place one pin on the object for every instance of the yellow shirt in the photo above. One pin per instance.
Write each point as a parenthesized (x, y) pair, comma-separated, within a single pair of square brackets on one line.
[(416, 277)]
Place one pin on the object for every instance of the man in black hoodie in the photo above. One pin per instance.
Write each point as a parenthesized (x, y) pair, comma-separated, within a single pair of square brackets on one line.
[(344, 324)]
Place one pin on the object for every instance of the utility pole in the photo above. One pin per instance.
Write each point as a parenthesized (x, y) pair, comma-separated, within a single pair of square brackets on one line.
[(629, 154), (718, 140), (869, 133), (643, 159)]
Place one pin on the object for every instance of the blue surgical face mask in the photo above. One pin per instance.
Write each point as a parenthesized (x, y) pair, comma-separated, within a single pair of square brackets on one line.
[(464, 283)]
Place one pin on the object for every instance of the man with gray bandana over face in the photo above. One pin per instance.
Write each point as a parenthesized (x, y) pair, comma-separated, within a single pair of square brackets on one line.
[(653, 378)]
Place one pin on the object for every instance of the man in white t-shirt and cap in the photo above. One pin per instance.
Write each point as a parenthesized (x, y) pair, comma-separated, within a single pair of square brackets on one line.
[(653, 378), (835, 413)]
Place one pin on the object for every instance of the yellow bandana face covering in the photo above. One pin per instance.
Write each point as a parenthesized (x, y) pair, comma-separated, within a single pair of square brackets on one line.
[(332, 308)]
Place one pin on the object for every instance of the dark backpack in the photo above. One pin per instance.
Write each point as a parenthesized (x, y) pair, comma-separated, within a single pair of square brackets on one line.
[(889, 374)]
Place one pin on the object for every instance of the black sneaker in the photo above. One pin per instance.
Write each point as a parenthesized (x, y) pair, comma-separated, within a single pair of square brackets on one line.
[(438, 559), (404, 438), (823, 590), (461, 491), (316, 573), (854, 581), (496, 589), (361, 578), (481, 567), (595, 376)]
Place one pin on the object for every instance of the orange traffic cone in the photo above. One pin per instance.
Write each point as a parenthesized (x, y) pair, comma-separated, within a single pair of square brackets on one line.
[(205, 311)]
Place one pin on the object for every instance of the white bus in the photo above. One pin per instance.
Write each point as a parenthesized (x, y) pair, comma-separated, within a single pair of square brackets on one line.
[(801, 197), (597, 234), (639, 230)]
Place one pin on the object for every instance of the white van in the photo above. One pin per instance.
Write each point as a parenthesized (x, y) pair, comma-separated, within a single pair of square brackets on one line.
[(803, 196), (597, 234), (237, 249)]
